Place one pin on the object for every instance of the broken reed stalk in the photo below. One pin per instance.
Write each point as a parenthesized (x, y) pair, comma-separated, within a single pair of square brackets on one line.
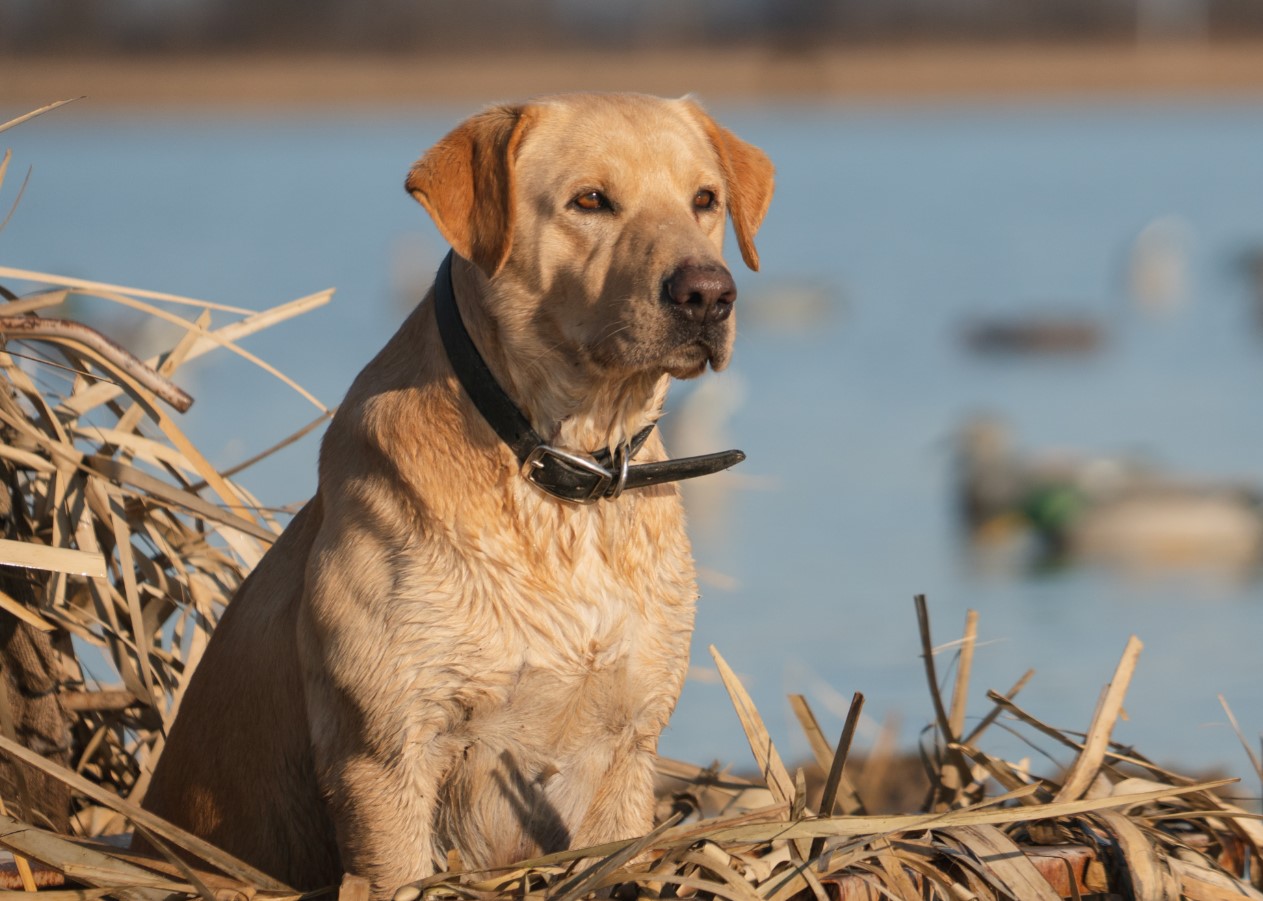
[(775, 774), (848, 798), (17, 328), (1085, 767), (994, 712), (19, 860), (964, 668), (829, 796), (1255, 760), (956, 775), (771, 767), (27, 117)]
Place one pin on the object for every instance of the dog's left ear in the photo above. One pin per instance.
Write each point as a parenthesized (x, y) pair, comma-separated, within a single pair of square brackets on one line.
[(749, 174), (465, 182)]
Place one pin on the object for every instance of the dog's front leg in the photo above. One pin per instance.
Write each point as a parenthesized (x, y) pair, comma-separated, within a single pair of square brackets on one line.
[(624, 801), (382, 799), (379, 721)]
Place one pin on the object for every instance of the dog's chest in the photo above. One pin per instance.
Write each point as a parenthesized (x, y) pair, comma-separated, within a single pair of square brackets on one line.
[(579, 589), (557, 606)]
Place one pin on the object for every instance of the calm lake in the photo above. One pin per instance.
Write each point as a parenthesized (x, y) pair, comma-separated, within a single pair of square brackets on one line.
[(891, 230)]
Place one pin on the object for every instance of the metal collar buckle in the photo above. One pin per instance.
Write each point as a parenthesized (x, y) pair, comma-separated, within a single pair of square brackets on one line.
[(622, 458), (536, 461), (606, 483)]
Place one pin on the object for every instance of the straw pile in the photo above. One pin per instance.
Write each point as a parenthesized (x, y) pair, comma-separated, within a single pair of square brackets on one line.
[(122, 545), (119, 543)]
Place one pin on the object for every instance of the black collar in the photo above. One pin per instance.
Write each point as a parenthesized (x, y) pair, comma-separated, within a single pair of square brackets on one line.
[(571, 476)]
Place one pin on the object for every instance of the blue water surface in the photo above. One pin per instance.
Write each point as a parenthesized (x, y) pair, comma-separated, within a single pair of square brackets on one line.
[(898, 225)]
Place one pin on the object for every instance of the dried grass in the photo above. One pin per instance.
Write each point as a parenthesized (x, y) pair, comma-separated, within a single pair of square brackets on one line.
[(121, 542), (123, 545)]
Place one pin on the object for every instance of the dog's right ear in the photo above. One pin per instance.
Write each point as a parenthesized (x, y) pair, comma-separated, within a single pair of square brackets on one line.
[(749, 175), (465, 181)]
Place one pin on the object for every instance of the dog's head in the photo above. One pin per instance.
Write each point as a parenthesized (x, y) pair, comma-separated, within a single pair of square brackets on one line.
[(608, 211)]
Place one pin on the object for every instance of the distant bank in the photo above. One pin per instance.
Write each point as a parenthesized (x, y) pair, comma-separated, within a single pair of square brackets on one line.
[(923, 73)]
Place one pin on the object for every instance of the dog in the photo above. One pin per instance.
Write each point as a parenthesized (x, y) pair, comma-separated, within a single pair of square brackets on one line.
[(471, 637)]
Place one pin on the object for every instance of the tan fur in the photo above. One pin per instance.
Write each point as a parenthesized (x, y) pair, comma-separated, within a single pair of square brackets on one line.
[(436, 655)]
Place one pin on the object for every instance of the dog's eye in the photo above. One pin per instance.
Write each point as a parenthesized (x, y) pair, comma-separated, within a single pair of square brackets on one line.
[(704, 199), (592, 201)]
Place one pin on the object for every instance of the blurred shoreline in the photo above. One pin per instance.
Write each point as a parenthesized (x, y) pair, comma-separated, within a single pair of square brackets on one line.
[(893, 73)]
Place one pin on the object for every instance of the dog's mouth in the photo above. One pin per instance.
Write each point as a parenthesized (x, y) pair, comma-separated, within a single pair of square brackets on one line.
[(681, 350), (690, 370), (689, 359)]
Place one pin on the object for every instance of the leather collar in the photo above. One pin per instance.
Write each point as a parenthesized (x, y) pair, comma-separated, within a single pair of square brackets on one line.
[(574, 476)]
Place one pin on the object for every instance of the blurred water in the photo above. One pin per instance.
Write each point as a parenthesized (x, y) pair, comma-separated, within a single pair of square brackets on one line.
[(909, 221)]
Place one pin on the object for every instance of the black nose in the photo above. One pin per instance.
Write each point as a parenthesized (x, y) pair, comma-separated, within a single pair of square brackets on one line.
[(701, 293)]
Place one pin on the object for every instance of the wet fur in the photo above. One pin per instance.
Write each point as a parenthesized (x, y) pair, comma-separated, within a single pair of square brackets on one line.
[(435, 655)]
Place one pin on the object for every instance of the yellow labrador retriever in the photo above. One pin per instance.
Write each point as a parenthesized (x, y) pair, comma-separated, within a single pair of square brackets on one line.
[(471, 638)]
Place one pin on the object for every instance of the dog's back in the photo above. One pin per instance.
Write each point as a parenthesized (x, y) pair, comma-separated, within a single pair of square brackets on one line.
[(237, 769)]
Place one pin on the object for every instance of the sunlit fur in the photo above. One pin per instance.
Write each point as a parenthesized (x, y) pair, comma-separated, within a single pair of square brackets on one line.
[(436, 655)]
